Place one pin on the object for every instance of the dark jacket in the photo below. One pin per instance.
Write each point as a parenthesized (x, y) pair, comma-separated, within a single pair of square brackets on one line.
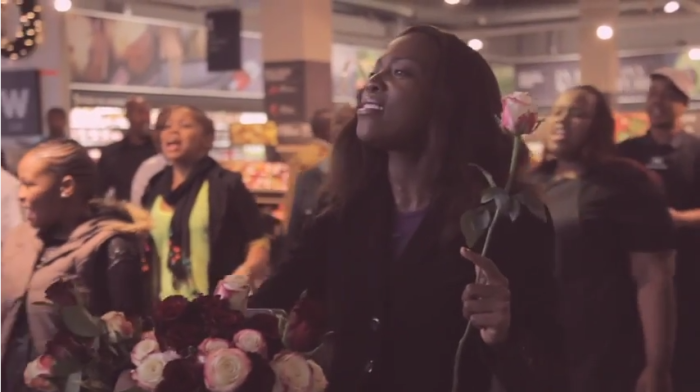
[(234, 221), (345, 260), (306, 201)]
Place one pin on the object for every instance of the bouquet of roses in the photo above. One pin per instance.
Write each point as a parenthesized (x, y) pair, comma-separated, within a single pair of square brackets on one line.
[(211, 343)]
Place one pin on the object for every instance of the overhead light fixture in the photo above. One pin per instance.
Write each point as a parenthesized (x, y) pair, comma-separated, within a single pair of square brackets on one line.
[(476, 44), (62, 5), (604, 32), (694, 54), (671, 7), (452, 2)]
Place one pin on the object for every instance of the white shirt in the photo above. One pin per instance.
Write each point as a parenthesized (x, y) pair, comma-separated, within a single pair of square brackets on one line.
[(149, 168), (11, 210)]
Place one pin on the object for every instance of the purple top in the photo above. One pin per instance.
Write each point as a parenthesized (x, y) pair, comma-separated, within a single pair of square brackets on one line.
[(405, 226)]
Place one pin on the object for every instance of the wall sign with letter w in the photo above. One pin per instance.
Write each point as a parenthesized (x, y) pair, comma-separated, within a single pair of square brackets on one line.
[(21, 103)]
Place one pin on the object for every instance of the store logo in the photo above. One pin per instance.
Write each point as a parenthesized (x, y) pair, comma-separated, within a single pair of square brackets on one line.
[(15, 103)]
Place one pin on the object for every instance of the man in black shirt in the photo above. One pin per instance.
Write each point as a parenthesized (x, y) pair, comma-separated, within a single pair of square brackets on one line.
[(675, 156), (120, 160)]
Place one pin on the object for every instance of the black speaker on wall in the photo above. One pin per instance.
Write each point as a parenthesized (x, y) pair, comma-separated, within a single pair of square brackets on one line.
[(224, 40)]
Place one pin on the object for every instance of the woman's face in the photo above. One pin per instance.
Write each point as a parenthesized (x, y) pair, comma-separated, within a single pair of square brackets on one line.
[(395, 105), (183, 139), (39, 191), (569, 123)]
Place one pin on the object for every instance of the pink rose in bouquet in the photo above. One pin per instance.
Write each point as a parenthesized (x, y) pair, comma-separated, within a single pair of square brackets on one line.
[(519, 115), (251, 341), (296, 373), (143, 349), (118, 326), (150, 372), (210, 345), (226, 370), (39, 372)]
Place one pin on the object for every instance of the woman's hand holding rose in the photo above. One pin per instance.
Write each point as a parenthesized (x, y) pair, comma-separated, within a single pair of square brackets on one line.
[(486, 303)]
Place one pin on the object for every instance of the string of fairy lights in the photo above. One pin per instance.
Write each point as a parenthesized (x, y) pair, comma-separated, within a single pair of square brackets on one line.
[(28, 34)]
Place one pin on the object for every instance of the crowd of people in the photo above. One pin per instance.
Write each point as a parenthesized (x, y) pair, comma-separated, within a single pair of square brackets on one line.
[(599, 298)]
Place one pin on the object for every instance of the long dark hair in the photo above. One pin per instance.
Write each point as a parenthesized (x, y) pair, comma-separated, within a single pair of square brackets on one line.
[(463, 131)]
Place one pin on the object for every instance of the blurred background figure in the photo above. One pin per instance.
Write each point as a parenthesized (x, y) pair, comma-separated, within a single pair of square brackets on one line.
[(674, 155), (119, 161), (307, 188), (151, 166), (206, 224), (11, 210), (614, 252), (57, 123)]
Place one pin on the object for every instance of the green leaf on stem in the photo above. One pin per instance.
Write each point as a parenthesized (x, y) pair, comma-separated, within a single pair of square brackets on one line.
[(513, 209), (65, 367), (80, 322), (474, 224), (533, 203), (487, 175), (498, 196)]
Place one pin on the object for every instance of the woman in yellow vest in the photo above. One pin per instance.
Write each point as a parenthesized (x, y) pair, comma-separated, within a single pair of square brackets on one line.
[(206, 224)]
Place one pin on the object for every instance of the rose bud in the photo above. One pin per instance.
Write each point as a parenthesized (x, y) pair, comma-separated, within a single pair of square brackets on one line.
[(38, 374), (251, 341), (519, 115), (118, 326), (171, 308), (150, 372), (226, 370), (143, 349), (235, 289), (292, 371)]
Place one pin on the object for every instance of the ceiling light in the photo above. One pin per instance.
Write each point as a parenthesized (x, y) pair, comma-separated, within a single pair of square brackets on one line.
[(604, 32), (694, 54), (475, 44), (671, 7), (62, 5), (452, 2)]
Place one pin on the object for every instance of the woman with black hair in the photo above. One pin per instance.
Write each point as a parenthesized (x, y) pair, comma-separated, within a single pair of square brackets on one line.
[(384, 258), (614, 253)]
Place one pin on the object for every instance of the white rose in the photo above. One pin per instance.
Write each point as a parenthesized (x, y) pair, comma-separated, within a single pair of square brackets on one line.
[(226, 370), (150, 372), (251, 341), (519, 115), (209, 345), (38, 373), (293, 373), (235, 289), (319, 383), (118, 326), (143, 349)]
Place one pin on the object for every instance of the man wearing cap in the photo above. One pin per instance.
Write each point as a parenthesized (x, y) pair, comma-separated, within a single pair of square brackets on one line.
[(674, 155)]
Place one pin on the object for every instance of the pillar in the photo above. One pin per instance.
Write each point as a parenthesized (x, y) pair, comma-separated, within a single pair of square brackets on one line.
[(599, 62), (297, 36)]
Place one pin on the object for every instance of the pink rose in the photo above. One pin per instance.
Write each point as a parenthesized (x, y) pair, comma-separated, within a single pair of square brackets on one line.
[(37, 374), (226, 370), (319, 383), (251, 341), (210, 345), (143, 349), (293, 373), (519, 115), (149, 373), (118, 326), (235, 289)]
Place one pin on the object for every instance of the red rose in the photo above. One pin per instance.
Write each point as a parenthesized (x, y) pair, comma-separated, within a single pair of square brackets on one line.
[(261, 376), (182, 337), (171, 308), (62, 293), (66, 346), (223, 322), (182, 375), (306, 326), (205, 303)]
